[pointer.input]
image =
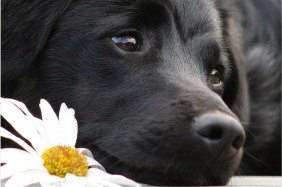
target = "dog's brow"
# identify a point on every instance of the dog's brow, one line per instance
(136, 13)
(185, 11)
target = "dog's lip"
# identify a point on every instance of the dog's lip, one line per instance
(178, 175)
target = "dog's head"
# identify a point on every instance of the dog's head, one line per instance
(158, 86)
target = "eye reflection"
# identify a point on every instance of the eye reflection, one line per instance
(215, 77)
(126, 43)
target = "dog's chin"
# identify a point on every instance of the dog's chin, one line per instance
(179, 175)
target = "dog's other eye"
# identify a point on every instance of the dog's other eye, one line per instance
(215, 77)
(126, 43)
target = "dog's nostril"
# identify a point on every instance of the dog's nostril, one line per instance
(215, 134)
(238, 142)
(211, 132)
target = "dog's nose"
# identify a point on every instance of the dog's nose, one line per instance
(221, 133)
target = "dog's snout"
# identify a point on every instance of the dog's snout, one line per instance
(221, 133)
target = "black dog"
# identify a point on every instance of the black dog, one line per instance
(165, 91)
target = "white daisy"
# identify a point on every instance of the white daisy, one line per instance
(53, 159)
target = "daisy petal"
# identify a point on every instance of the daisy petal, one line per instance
(36, 122)
(13, 154)
(43, 133)
(85, 151)
(99, 175)
(14, 164)
(104, 183)
(63, 124)
(68, 125)
(17, 161)
(51, 123)
(91, 161)
(20, 105)
(94, 164)
(13, 168)
(74, 181)
(21, 123)
(76, 184)
(27, 178)
(6, 134)
(51, 179)
(74, 132)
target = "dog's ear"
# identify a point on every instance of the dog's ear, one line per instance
(26, 26)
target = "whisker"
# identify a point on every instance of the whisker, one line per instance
(250, 132)
(248, 154)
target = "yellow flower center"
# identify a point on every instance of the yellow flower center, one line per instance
(60, 160)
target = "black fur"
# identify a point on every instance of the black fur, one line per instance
(135, 110)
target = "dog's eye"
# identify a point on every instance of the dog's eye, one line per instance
(126, 43)
(215, 77)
